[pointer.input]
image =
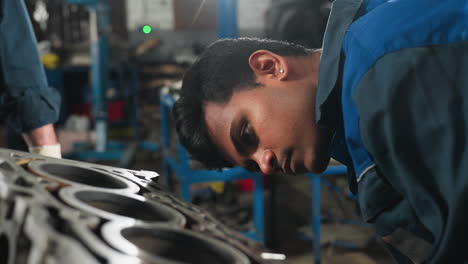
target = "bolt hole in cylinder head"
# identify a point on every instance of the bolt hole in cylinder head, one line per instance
(162, 244)
(112, 206)
(75, 175)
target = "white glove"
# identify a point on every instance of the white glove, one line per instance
(53, 151)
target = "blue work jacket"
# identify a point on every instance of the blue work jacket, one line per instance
(26, 100)
(393, 86)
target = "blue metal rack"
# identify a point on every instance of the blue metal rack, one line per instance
(179, 164)
(316, 207)
(317, 182)
(103, 150)
(227, 18)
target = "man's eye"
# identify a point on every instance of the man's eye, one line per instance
(247, 135)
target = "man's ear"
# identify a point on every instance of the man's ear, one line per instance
(266, 64)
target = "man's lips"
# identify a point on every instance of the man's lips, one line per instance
(293, 167)
(299, 168)
(287, 163)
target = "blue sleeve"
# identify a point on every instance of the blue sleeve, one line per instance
(26, 100)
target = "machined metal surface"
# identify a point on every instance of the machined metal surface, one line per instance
(123, 207)
(65, 211)
(162, 244)
(76, 175)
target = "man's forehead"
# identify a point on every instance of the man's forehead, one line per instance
(217, 116)
(218, 120)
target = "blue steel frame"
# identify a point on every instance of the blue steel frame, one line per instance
(180, 165)
(104, 150)
(227, 18)
(99, 13)
(316, 207)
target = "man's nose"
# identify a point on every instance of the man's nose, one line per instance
(267, 161)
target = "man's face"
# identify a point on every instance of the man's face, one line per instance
(270, 128)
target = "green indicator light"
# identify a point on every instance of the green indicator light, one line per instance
(146, 29)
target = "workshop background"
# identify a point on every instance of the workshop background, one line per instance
(118, 66)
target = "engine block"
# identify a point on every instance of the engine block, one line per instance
(64, 211)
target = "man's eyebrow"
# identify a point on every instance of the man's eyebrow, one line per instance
(233, 133)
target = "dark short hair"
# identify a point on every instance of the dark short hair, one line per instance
(219, 71)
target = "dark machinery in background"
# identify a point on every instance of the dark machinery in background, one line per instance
(298, 21)
(66, 25)
(97, 74)
(64, 211)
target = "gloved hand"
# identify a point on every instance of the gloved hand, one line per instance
(53, 151)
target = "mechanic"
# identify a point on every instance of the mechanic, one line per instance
(384, 96)
(27, 104)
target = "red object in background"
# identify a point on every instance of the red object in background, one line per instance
(247, 185)
(115, 110)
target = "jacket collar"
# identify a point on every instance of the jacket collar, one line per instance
(342, 14)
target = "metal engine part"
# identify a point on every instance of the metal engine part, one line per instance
(65, 211)
(157, 244)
